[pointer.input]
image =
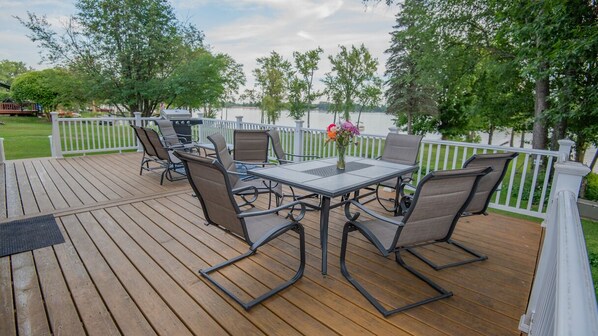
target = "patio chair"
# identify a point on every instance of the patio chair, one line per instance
(262, 186)
(211, 183)
(171, 138)
(284, 158)
(149, 154)
(281, 156)
(439, 200)
(499, 162)
(251, 146)
(156, 152)
(401, 149)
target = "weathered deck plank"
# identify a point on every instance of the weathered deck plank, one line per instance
(132, 251)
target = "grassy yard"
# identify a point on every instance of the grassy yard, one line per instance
(590, 230)
(25, 137)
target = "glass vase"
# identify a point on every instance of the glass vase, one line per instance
(340, 164)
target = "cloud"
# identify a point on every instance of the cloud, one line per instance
(244, 29)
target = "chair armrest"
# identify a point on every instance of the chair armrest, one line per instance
(241, 189)
(304, 156)
(277, 209)
(369, 212)
(245, 163)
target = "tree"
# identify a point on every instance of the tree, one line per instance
(127, 49)
(9, 70)
(50, 88)
(352, 72)
(272, 77)
(301, 93)
(408, 96)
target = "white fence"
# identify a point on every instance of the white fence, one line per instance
(525, 188)
(563, 301)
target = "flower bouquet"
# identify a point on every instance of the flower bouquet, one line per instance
(342, 134)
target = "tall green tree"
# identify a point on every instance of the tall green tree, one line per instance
(301, 91)
(127, 49)
(353, 70)
(409, 96)
(272, 77)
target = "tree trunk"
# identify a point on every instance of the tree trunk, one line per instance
(512, 138)
(558, 133)
(522, 141)
(593, 163)
(409, 123)
(581, 145)
(541, 104)
(490, 134)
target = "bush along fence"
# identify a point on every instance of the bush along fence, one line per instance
(524, 190)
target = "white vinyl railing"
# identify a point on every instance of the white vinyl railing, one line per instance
(563, 301)
(524, 190)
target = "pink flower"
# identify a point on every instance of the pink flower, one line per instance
(330, 126)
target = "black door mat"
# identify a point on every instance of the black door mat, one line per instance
(29, 234)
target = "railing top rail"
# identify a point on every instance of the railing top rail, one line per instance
(492, 147)
(576, 310)
(96, 119)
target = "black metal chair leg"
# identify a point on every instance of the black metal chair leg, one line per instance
(248, 305)
(478, 257)
(387, 312)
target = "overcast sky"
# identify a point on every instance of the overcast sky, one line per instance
(244, 29)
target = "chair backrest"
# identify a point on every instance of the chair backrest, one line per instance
(211, 184)
(223, 155)
(168, 133)
(154, 139)
(489, 183)
(142, 137)
(251, 145)
(277, 144)
(439, 200)
(401, 148)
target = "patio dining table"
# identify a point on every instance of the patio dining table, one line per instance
(323, 178)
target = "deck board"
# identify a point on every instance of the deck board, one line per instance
(133, 248)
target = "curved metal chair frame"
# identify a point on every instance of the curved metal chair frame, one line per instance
(424, 223)
(499, 162)
(211, 183)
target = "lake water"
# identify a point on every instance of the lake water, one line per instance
(376, 123)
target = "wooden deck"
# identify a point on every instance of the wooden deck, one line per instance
(133, 248)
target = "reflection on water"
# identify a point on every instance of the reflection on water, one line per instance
(376, 123)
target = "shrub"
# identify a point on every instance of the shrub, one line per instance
(592, 187)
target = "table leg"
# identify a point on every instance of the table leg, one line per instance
(324, 215)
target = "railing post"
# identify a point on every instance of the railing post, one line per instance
(2, 156)
(56, 149)
(239, 124)
(138, 124)
(565, 146)
(543, 302)
(393, 129)
(199, 127)
(52, 154)
(568, 176)
(298, 139)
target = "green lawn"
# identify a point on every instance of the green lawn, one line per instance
(25, 137)
(590, 230)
